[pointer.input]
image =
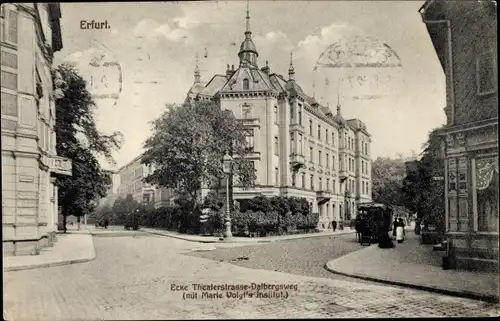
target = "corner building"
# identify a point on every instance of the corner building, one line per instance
(30, 34)
(464, 36)
(299, 148)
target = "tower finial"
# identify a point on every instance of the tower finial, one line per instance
(338, 103)
(291, 70)
(248, 16)
(196, 71)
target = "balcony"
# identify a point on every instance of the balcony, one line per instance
(297, 127)
(251, 122)
(343, 174)
(61, 166)
(323, 196)
(297, 161)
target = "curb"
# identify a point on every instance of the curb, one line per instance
(52, 264)
(46, 265)
(253, 242)
(462, 294)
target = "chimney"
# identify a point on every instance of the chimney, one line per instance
(229, 72)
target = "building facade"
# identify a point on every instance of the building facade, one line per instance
(131, 182)
(298, 146)
(30, 34)
(464, 34)
(111, 190)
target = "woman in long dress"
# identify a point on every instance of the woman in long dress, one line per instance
(400, 231)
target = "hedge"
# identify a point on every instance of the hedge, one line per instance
(259, 216)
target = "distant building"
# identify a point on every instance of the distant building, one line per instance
(464, 35)
(298, 146)
(131, 182)
(30, 34)
(112, 189)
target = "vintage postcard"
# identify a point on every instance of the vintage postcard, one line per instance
(249, 160)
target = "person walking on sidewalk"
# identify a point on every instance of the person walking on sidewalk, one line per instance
(334, 225)
(400, 231)
(394, 227)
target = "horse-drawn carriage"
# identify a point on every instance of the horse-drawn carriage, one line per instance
(373, 223)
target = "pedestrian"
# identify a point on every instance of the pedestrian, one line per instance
(334, 225)
(394, 227)
(106, 222)
(400, 231)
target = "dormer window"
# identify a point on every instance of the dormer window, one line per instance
(246, 84)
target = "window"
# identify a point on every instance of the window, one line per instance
(9, 28)
(333, 162)
(255, 171)
(300, 145)
(349, 142)
(276, 146)
(300, 114)
(276, 176)
(246, 84)
(311, 151)
(327, 160)
(366, 148)
(486, 77)
(333, 186)
(246, 112)
(293, 147)
(249, 137)
(319, 158)
(320, 184)
(486, 172)
(303, 180)
(9, 59)
(327, 183)
(9, 104)
(326, 135)
(319, 131)
(276, 114)
(292, 112)
(294, 179)
(312, 182)
(333, 139)
(9, 80)
(310, 127)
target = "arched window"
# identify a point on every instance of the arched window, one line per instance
(246, 84)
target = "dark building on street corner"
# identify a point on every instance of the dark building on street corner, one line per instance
(464, 35)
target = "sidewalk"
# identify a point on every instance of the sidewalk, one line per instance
(73, 247)
(251, 240)
(418, 266)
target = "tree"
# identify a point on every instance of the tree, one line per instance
(187, 147)
(421, 193)
(387, 180)
(78, 139)
(124, 207)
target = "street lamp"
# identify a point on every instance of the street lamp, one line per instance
(227, 162)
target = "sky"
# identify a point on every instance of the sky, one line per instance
(151, 47)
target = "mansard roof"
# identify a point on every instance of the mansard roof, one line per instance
(214, 85)
(259, 81)
(196, 88)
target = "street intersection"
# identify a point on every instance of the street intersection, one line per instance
(132, 278)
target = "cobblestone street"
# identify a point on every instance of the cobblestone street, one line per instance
(305, 257)
(132, 276)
